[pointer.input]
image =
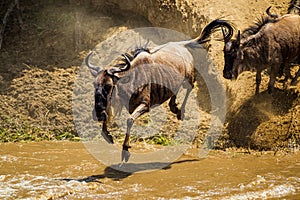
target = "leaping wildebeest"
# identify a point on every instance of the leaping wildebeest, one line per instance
(145, 78)
(270, 44)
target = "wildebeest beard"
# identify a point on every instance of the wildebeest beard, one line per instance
(103, 91)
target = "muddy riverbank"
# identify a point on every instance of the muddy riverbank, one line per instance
(41, 60)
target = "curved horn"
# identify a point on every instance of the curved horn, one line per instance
(224, 35)
(126, 67)
(212, 26)
(271, 14)
(93, 69)
(127, 59)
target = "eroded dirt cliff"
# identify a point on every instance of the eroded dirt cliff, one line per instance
(39, 63)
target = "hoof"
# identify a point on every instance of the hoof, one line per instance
(108, 138)
(125, 154)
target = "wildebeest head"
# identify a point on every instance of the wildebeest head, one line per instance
(231, 50)
(105, 81)
(231, 46)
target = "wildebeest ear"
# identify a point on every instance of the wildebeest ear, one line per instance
(238, 38)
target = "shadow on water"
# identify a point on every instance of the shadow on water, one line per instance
(242, 123)
(127, 170)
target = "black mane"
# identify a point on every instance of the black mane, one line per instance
(255, 28)
(121, 61)
(139, 50)
(135, 52)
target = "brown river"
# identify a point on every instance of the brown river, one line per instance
(66, 170)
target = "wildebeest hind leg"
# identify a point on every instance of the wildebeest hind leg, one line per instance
(140, 110)
(287, 75)
(180, 114)
(173, 106)
(273, 74)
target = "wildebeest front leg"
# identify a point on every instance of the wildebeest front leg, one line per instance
(105, 133)
(258, 81)
(141, 109)
(273, 74)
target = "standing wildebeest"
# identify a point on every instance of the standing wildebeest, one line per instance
(145, 78)
(294, 7)
(270, 44)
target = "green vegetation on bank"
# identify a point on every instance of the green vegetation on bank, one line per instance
(13, 130)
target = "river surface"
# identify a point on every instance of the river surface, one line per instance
(66, 170)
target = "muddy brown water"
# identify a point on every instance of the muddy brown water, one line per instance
(54, 170)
